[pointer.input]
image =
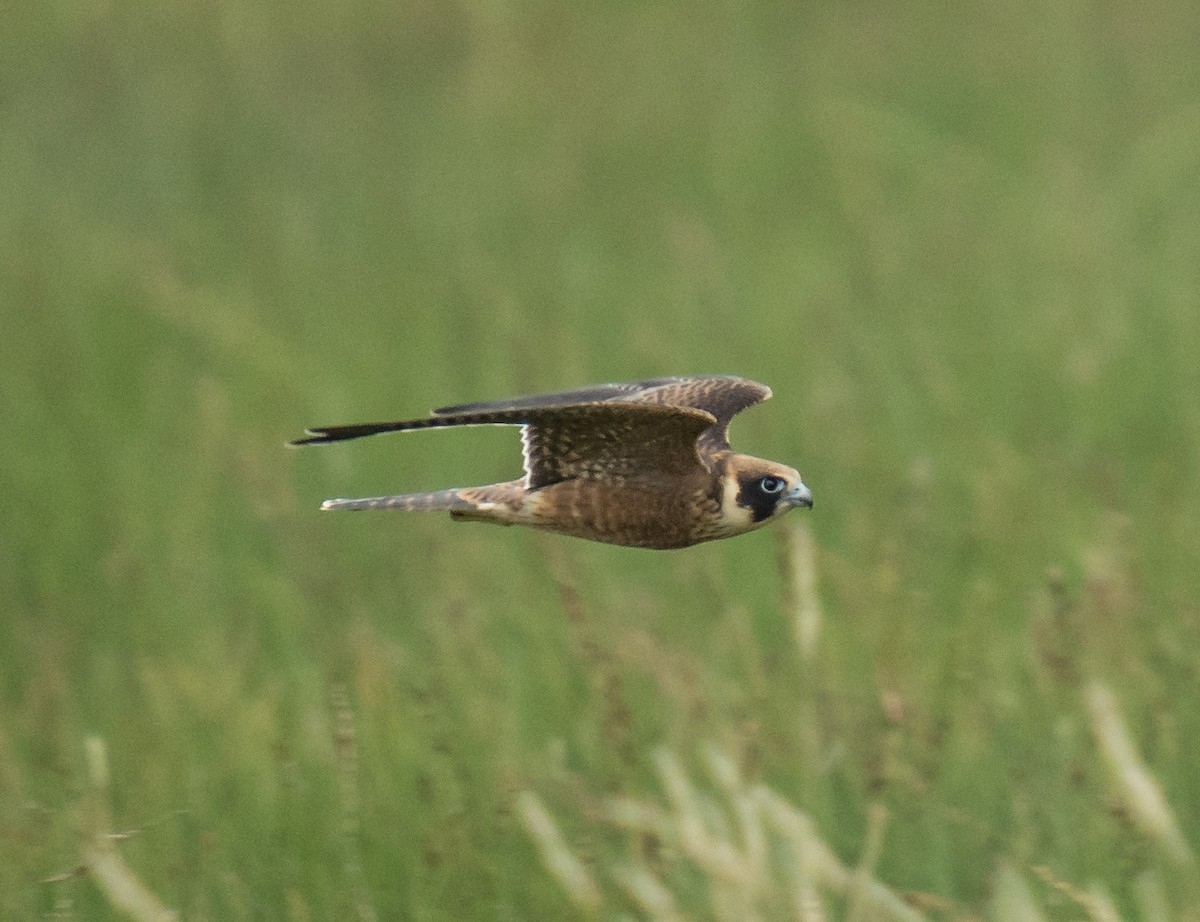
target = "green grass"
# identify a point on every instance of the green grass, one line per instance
(961, 246)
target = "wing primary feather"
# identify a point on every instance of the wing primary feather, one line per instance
(518, 416)
(326, 434)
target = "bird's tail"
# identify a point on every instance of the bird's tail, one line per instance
(437, 501)
(498, 502)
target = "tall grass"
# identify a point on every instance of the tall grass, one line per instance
(959, 244)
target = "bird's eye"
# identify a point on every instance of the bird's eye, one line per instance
(772, 484)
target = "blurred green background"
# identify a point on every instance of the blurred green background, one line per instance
(960, 243)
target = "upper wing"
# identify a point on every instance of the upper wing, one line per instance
(723, 396)
(606, 430)
(610, 441)
(597, 440)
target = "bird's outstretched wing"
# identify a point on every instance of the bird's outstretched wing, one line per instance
(606, 431)
(724, 396)
(600, 441)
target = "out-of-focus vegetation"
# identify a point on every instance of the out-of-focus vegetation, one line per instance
(960, 244)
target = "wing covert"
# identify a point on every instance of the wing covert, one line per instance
(610, 441)
(724, 396)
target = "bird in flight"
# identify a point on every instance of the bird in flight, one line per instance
(641, 464)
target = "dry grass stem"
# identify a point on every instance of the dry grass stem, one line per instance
(857, 910)
(1151, 901)
(120, 886)
(346, 754)
(714, 854)
(759, 855)
(801, 572)
(558, 858)
(649, 893)
(1012, 900)
(1100, 906)
(1096, 902)
(1138, 789)
(796, 830)
(818, 864)
(754, 845)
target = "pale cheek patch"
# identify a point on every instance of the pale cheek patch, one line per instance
(734, 517)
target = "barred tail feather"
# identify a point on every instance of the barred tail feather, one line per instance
(437, 501)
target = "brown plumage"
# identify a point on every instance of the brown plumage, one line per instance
(642, 464)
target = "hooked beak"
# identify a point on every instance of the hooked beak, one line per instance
(799, 495)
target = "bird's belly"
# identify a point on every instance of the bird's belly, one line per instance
(631, 514)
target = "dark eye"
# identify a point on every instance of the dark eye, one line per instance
(772, 484)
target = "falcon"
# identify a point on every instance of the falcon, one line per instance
(640, 464)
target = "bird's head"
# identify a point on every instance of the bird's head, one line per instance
(754, 491)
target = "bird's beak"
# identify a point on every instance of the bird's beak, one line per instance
(799, 495)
